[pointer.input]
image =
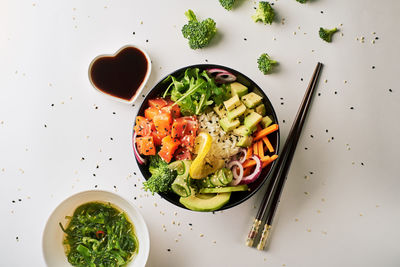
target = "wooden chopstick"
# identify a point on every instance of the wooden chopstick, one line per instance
(271, 199)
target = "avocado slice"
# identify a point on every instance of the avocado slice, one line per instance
(228, 125)
(232, 102)
(239, 111)
(238, 89)
(245, 141)
(260, 109)
(252, 120)
(266, 121)
(251, 100)
(205, 202)
(242, 131)
(220, 110)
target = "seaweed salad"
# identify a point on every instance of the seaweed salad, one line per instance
(99, 235)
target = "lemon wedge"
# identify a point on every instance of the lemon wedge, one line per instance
(202, 146)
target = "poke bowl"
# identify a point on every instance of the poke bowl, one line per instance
(206, 138)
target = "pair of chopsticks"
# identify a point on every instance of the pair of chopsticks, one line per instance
(275, 187)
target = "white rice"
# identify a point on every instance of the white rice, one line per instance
(223, 144)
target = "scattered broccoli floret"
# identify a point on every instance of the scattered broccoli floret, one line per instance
(199, 33)
(302, 1)
(326, 34)
(264, 13)
(161, 176)
(265, 63)
(227, 4)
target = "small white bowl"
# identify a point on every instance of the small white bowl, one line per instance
(53, 248)
(142, 85)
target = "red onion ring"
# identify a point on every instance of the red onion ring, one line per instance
(256, 173)
(242, 159)
(225, 77)
(137, 155)
(215, 70)
(237, 177)
(221, 76)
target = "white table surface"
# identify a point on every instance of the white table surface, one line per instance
(345, 213)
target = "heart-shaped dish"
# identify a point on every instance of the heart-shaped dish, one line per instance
(121, 76)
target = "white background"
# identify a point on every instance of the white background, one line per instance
(344, 214)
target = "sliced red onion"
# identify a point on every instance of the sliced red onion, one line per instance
(137, 155)
(256, 173)
(215, 70)
(243, 157)
(225, 77)
(236, 177)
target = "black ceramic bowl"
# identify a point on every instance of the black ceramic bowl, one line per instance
(236, 197)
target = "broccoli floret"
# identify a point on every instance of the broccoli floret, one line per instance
(265, 63)
(326, 34)
(264, 13)
(302, 1)
(161, 176)
(199, 33)
(227, 4)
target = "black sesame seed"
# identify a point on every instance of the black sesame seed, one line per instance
(169, 249)
(283, 121)
(110, 159)
(319, 94)
(133, 33)
(52, 105)
(373, 67)
(147, 41)
(142, 95)
(45, 126)
(95, 186)
(13, 201)
(206, 60)
(332, 138)
(134, 173)
(82, 158)
(190, 224)
(114, 113)
(377, 38)
(282, 103)
(134, 198)
(390, 90)
(111, 138)
(362, 163)
(312, 136)
(19, 199)
(96, 107)
(134, 185)
(335, 92)
(326, 130)
(301, 79)
(115, 186)
(351, 107)
(245, 39)
(311, 172)
(94, 174)
(322, 12)
(306, 148)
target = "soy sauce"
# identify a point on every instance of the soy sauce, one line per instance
(120, 75)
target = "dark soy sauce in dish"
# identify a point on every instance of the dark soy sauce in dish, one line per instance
(120, 75)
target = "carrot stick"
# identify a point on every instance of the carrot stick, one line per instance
(249, 152)
(255, 149)
(247, 171)
(268, 144)
(266, 132)
(271, 159)
(260, 149)
(265, 160)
